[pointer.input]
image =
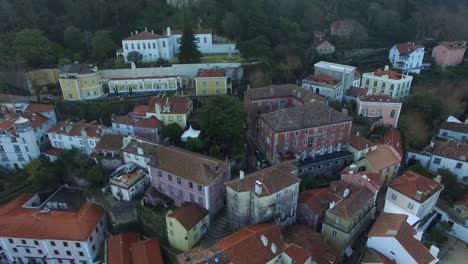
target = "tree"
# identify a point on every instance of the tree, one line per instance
(134, 56)
(256, 48)
(222, 118)
(64, 61)
(172, 131)
(73, 38)
(195, 144)
(188, 50)
(40, 174)
(31, 46)
(102, 45)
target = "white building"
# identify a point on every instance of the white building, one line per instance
(128, 181)
(21, 135)
(407, 57)
(413, 195)
(123, 125)
(76, 135)
(61, 228)
(138, 151)
(344, 73)
(454, 129)
(324, 85)
(387, 82)
(155, 46)
(393, 237)
(456, 217)
(145, 84)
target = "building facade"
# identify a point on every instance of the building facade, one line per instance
(324, 47)
(268, 195)
(324, 85)
(341, 72)
(76, 135)
(108, 151)
(387, 82)
(174, 109)
(186, 225)
(80, 82)
(145, 84)
(212, 82)
(53, 229)
(23, 132)
(128, 182)
(384, 160)
(449, 53)
(414, 195)
(407, 57)
(379, 106)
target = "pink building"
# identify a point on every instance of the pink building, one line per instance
(383, 107)
(449, 53)
(190, 177)
(147, 128)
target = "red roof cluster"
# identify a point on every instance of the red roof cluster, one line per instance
(211, 73)
(415, 186)
(177, 104)
(407, 48)
(126, 249)
(394, 75)
(356, 92)
(150, 122)
(189, 214)
(323, 78)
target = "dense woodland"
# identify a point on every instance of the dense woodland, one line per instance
(42, 33)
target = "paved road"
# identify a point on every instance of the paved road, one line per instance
(454, 251)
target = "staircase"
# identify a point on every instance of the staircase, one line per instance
(218, 230)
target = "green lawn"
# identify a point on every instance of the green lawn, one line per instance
(217, 58)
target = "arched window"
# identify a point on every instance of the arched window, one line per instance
(164, 44)
(154, 45)
(144, 45)
(149, 45)
(138, 45)
(133, 46)
(392, 114)
(126, 46)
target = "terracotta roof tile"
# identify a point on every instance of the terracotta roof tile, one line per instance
(360, 142)
(356, 92)
(118, 248)
(313, 242)
(273, 179)
(298, 254)
(39, 108)
(391, 74)
(451, 149)
(16, 221)
(309, 115)
(143, 77)
(383, 157)
(407, 48)
(463, 201)
(36, 119)
(372, 256)
(146, 252)
(126, 120)
(350, 205)
(453, 45)
(110, 142)
(139, 110)
(144, 36)
(454, 126)
(150, 122)
(189, 214)
(323, 78)
(395, 225)
(74, 129)
(178, 104)
(317, 199)
(283, 91)
(392, 137)
(211, 73)
(410, 183)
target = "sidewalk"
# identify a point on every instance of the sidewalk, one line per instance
(454, 251)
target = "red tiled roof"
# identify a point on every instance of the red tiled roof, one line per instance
(39, 108)
(140, 110)
(395, 225)
(283, 91)
(410, 183)
(297, 253)
(74, 129)
(150, 122)
(273, 179)
(36, 119)
(118, 248)
(373, 256)
(349, 207)
(6, 124)
(16, 221)
(392, 137)
(451, 149)
(211, 73)
(323, 78)
(246, 246)
(379, 98)
(313, 242)
(390, 73)
(407, 48)
(144, 36)
(110, 142)
(126, 120)
(463, 201)
(189, 214)
(360, 142)
(146, 252)
(356, 92)
(452, 45)
(383, 157)
(178, 104)
(317, 199)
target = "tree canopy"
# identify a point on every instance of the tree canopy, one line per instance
(188, 50)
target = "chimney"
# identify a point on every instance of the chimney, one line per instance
(299, 94)
(332, 205)
(438, 178)
(357, 133)
(241, 174)
(136, 32)
(386, 68)
(131, 33)
(258, 187)
(346, 193)
(352, 168)
(168, 31)
(434, 251)
(418, 195)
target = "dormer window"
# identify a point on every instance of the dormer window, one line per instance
(166, 109)
(264, 240)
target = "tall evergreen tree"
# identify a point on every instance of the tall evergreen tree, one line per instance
(188, 50)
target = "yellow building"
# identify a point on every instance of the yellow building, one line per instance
(385, 160)
(80, 82)
(145, 84)
(39, 78)
(186, 225)
(211, 82)
(175, 109)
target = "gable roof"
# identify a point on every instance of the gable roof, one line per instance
(323, 78)
(110, 142)
(126, 120)
(351, 205)
(298, 254)
(39, 108)
(309, 115)
(451, 149)
(383, 157)
(77, 68)
(118, 248)
(392, 137)
(356, 92)
(178, 104)
(391, 74)
(322, 42)
(189, 214)
(408, 48)
(395, 225)
(373, 256)
(144, 35)
(410, 183)
(454, 44)
(16, 221)
(73, 129)
(273, 179)
(283, 91)
(360, 142)
(455, 126)
(211, 73)
(150, 122)
(317, 199)
(146, 252)
(36, 119)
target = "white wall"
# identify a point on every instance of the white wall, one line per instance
(123, 129)
(413, 62)
(391, 248)
(458, 230)
(450, 164)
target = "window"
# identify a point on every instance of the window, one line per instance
(65, 244)
(52, 243)
(159, 173)
(169, 177)
(200, 201)
(10, 240)
(172, 233)
(334, 233)
(39, 251)
(56, 252)
(199, 188)
(36, 242)
(437, 160)
(78, 245)
(68, 253)
(138, 45)
(393, 253)
(15, 250)
(459, 165)
(410, 206)
(179, 181)
(394, 196)
(181, 193)
(94, 247)
(81, 253)
(23, 242)
(392, 114)
(179, 118)
(192, 197)
(27, 250)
